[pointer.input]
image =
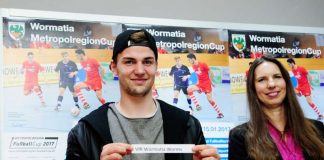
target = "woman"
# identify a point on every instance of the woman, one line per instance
(277, 128)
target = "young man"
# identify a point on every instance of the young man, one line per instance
(180, 75)
(31, 68)
(68, 71)
(204, 83)
(303, 84)
(109, 132)
(94, 76)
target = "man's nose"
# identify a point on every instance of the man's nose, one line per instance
(139, 68)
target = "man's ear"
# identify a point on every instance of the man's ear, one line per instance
(113, 67)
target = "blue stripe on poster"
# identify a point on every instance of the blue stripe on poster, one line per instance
(217, 140)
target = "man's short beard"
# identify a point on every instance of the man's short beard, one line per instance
(133, 92)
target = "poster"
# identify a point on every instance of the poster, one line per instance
(307, 49)
(33, 48)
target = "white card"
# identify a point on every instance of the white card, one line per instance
(162, 148)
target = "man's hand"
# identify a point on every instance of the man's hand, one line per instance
(115, 151)
(205, 152)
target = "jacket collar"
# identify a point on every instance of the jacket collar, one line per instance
(174, 126)
(98, 121)
(174, 123)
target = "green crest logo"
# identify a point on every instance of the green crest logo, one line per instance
(16, 30)
(239, 42)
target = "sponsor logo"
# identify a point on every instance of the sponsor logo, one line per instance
(16, 30)
(239, 42)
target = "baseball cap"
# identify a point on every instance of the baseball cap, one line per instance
(123, 41)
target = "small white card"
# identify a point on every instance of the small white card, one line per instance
(162, 148)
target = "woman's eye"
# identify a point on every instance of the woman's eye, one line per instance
(260, 80)
(278, 76)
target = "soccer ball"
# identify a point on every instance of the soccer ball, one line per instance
(75, 111)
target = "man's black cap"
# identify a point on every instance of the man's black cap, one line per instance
(123, 41)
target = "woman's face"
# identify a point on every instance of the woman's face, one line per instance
(270, 85)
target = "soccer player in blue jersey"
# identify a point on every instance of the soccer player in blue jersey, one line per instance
(68, 71)
(180, 75)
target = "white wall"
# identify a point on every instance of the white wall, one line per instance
(308, 13)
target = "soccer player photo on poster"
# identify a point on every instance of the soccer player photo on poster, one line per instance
(42, 59)
(301, 53)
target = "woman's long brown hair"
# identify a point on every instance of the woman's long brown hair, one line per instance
(259, 142)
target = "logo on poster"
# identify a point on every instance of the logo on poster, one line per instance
(239, 42)
(16, 30)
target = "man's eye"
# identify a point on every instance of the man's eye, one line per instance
(128, 62)
(148, 62)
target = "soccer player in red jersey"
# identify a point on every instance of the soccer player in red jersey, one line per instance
(304, 86)
(204, 83)
(94, 74)
(31, 68)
